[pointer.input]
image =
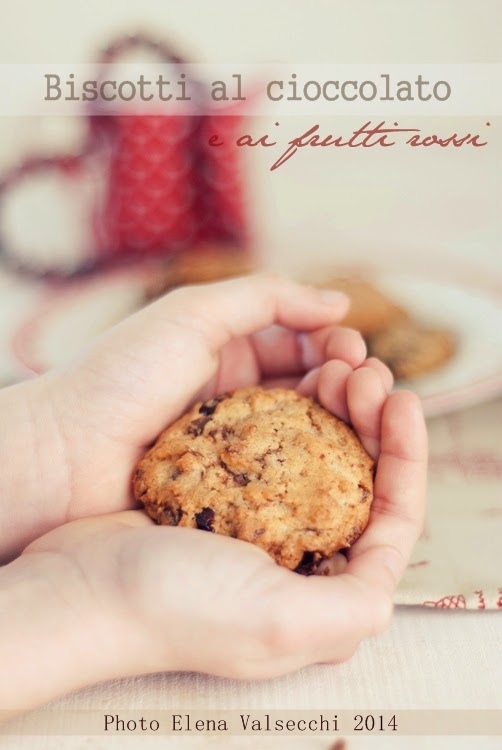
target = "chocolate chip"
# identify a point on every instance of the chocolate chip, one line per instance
(197, 426)
(205, 519)
(208, 407)
(309, 563)
(169, 516)
(241, 479)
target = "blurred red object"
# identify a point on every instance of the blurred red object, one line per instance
(168, 189)
(220, 184)
(150, 199)
(165, 187)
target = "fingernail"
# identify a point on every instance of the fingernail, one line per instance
(331, 296)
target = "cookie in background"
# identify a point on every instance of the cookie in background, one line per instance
(409, 347)
(199, 265)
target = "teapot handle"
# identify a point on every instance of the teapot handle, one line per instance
(97, 128)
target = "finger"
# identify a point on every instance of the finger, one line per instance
(277, 352)
(237, 368)
(280, 351)
(135, 518)
(366, 396)
(291, 383)
(332, 388)
(332, 566)
(308, 385)
(242, 306)
(381, 554)
(336, 612)
(383, 371)
(92, 525)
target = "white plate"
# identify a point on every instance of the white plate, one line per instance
(71, 316)
(474, 315)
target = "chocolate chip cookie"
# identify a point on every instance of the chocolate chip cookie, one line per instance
(199, 266)
(370, 310)
(269, 467)
(410, 349)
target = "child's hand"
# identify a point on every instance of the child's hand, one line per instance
(129, 597)
(71, 438)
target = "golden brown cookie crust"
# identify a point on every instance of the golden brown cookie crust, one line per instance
(200, 266)
(370, 310)
(410, 349)
(269, 467)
